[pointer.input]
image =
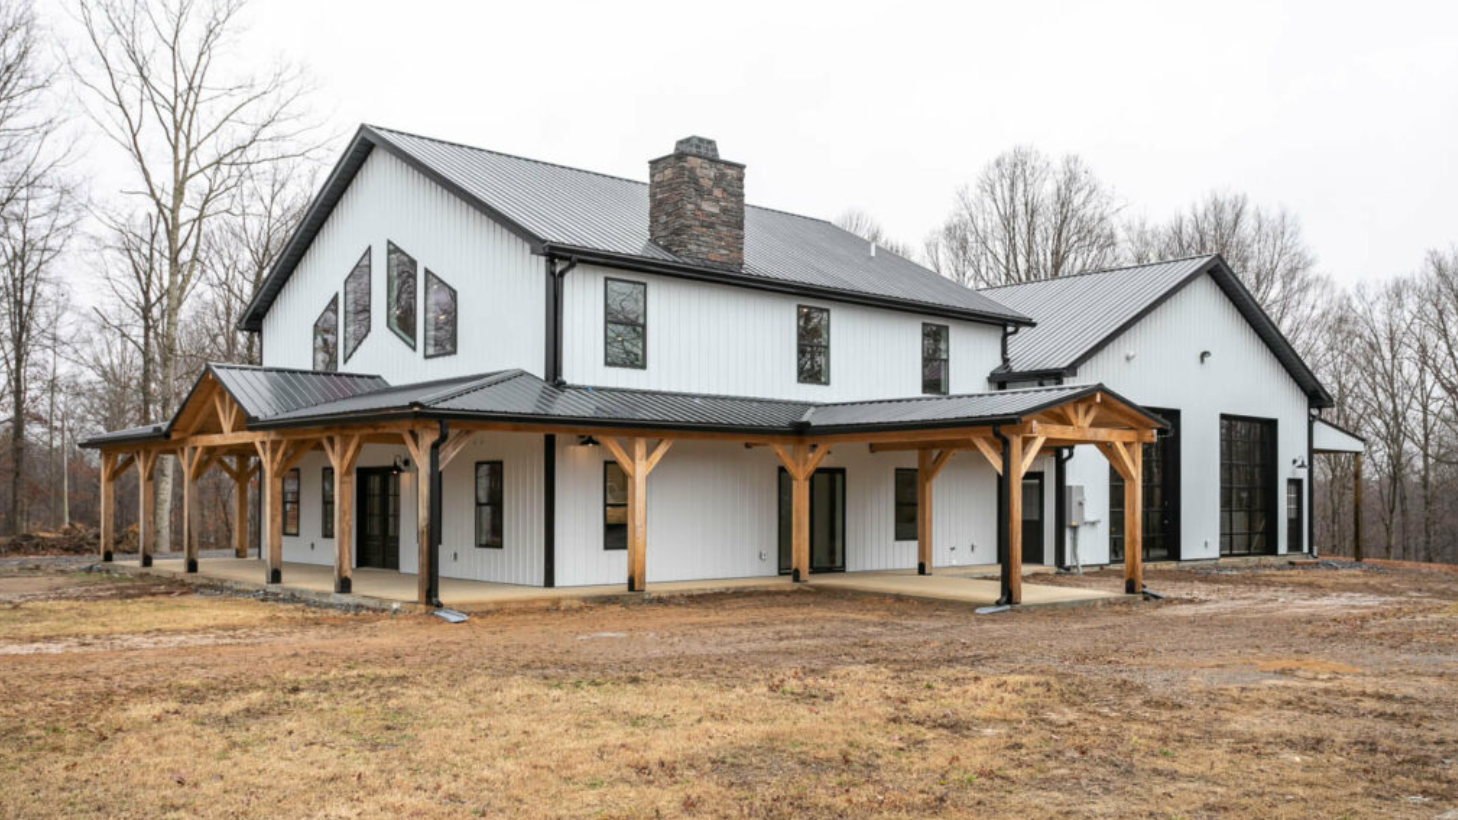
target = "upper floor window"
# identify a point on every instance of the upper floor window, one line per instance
(290, 506)
(488, 504)
(326, 503)
(625, 314)
(400, 293)
(357, 305)
(934, 376)
(326, 336)
(813, 345)
(440, 316)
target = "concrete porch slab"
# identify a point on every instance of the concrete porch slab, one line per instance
(386, 589)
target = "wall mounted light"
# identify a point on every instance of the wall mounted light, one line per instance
(399, 465)
(1298, 463)
(1204, 354)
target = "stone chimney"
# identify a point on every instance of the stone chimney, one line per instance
(696, 204)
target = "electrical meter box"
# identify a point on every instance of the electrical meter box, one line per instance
(1074, 499)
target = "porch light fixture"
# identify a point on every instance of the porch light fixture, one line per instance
(1298, 463)
(399, 465)
(586, 441)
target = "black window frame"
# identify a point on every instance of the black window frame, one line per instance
(608, 321)
(899, 503)
(360, 273)
(392, 317)
(496, 504)
(1261, 483)
(331, 308)
(610, 526)
(801, 345)
(432, 350)
(296, 477)
(326, 502)
(945, 359)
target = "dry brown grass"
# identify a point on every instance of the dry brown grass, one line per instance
(744, 706)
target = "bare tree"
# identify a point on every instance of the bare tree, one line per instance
(192, 132)
(1027, 217)
(867, 227)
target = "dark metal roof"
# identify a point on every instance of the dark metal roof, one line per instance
(266, 392)
(131, 435)
(603, 218)
(1078, 315)
(986, 408)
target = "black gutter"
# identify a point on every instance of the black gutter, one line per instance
(433, 537)
(1004, 549)
(733, 277)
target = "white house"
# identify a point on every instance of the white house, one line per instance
(590, 364)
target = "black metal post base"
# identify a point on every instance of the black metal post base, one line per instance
(1130, 588)
(275, 576)
(147, 560)
(795, 576)
(921, 568)
(192, 565)
(631, 586)
(106, 557)
(343, 585)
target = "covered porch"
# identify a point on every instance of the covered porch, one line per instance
(258, 422)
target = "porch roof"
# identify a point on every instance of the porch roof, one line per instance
(273, 399)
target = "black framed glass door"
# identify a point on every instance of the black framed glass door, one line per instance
(827, 520)
(1247, 486)
(1033, 519)
(1161, 519)
(1295, 521)
(378, 542)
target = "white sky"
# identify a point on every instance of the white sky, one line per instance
(1346, 114)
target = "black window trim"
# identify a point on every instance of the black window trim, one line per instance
(1273, 499)
(390, 295)
(284, 502)
(609, 464)
(332, 304)
(945, 360)
(799, 308)
(606, 282)
(368, 259)
(326, 502)
(455, 326)
(500, 503)
(896, 505)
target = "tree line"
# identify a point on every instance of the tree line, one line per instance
(1386, 349)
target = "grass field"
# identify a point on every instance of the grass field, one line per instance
(1311, 693)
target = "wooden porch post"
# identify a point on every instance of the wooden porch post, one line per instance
(1013, 560)
(146, 506)
(1134, 521)
(243, 474)
(112, 465)
(418, 441)
(195, 462)
(929, 465)
(1357, 506)
(637, 463)
(343, 452)
(800, 462)
(271, 456)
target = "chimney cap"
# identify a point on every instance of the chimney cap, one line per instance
(697, 146)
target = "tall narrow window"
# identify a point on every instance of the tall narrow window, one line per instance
(326, 503)
(400, 293)
(813, 345)
(625, 315)
(326, 336)
(934, 375)
(614, 507)
(1247, 486)
(440, 316)
(488, 504)
(291, 502)
(357, 305)
(906, 508)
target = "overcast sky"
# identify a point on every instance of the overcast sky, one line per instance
(1346, 115)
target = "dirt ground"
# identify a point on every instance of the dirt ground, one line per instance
(1292, 693)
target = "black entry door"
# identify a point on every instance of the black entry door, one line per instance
(378, 542)
(1160, 464)
(1295, 531)
(1033, 518)
(827, 520)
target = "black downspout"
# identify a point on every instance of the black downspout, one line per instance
(1060, 504)
(432, 583)
(1310, 485)
(549, 510)
(553, 369)
(1004, 554)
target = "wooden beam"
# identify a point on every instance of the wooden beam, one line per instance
(800, 516)
(989, 452)
(938, 462)
(1086, 434)
(227, 411)
(454, 445)
(1134, 521)
(1013, 565)
(194, 461)
(638, 516)
(925, 473)
(419, 442)
(619, 454)
(107, 513)
(658, 453)
(1118, 456)
(1031, 446)
(271, 455)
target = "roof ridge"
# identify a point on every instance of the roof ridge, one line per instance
(471, 385)
(1045, 388)
(573, 168)
(684, 393)
(273, 369)
(1100, 271)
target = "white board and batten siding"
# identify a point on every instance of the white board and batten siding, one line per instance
(500, 285)
(725, 340)
(1241, 377)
